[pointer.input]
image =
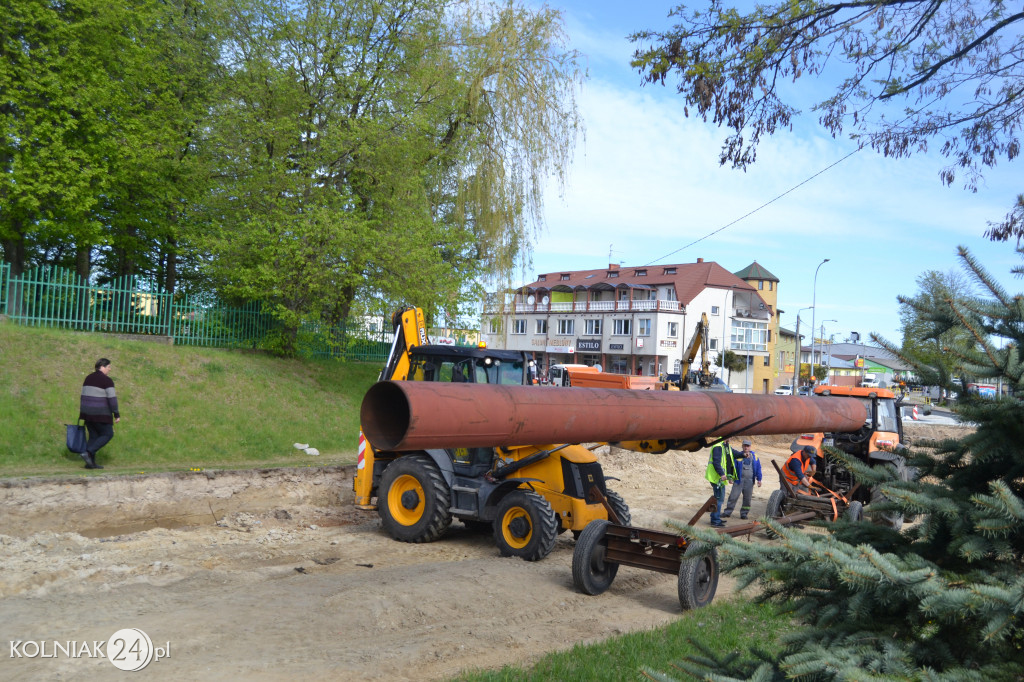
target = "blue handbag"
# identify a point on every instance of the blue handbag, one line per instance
(76, 438)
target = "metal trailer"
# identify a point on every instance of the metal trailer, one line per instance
(603, 546)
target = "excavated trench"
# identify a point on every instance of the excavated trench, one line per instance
(105, 506)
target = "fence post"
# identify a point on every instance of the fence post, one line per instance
(5, 278)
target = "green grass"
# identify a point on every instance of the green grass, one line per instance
(181, 407)
(725, 626)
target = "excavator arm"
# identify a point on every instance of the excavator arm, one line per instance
(410, 331)
(698, 344)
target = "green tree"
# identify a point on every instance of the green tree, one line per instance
(939, 356)
(378, 152)
(102, 106)
(940, 599)
(905, 73)
(731, 362)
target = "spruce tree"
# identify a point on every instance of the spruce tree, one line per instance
(942, 599)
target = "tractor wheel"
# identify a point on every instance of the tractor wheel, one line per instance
(619, 506)
(525, 526)
(591, 574)
(414, 500)
(774, 510)
(855, 512)
(698, 578)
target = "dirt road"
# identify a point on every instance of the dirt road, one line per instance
(275, 576)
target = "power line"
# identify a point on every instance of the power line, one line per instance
(747, 215)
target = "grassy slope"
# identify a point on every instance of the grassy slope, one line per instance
(725, 626)
(181, 407)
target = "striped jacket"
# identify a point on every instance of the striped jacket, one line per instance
(99, 401)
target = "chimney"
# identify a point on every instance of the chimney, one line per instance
(613, 266)
(700, 260)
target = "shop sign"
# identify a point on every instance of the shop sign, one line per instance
(667, 343)
(616, 346)
(588, 345)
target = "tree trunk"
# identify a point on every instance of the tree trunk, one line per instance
(82, 267)
(14, 253)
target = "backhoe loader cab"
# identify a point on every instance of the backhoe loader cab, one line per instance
(470, 365)
(876, 443)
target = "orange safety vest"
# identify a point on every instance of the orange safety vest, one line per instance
(790, 476)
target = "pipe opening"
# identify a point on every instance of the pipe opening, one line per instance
(384, 415)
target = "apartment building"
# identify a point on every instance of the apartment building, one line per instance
(640, 320)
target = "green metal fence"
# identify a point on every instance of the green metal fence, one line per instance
(56, 297)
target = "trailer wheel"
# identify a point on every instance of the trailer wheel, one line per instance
(698, 578)
(414, 500)
(855, 512)
(525, 526)
(774, 510)
(591, 574)
(619, 506)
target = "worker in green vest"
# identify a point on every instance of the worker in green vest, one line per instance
(721, 470)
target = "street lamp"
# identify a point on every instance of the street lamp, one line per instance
(823, 337)
(796, 358)
(814, 298)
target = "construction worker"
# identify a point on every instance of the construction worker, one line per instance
(721, 469)
(800, 468)
(748, 469)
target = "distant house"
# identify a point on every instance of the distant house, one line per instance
(640, 319)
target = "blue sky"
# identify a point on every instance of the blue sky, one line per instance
(645, 182)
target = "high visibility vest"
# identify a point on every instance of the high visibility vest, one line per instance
(790, 475)
(725, 460)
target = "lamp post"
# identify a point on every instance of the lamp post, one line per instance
(812, 342)
(796, 358)
(814, 302)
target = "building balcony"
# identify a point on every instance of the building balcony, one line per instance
(591, 307)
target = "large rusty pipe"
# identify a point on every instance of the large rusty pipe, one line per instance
(416, 415)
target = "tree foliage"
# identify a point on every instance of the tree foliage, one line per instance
(905, 73)
(938, 356)
(315, 155)
(100, 104)
(942, 599)
(731, 362)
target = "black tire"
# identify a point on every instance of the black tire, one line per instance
(773, 510)
(855, 512)
(591, 574)
(525, 526)
(414, 500)
(619, 506)
(698, 578)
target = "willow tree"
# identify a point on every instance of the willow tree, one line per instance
(384, 151)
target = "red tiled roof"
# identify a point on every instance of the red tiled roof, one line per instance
(689, 279)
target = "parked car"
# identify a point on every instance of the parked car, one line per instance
(804, 390)
(784, 389)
